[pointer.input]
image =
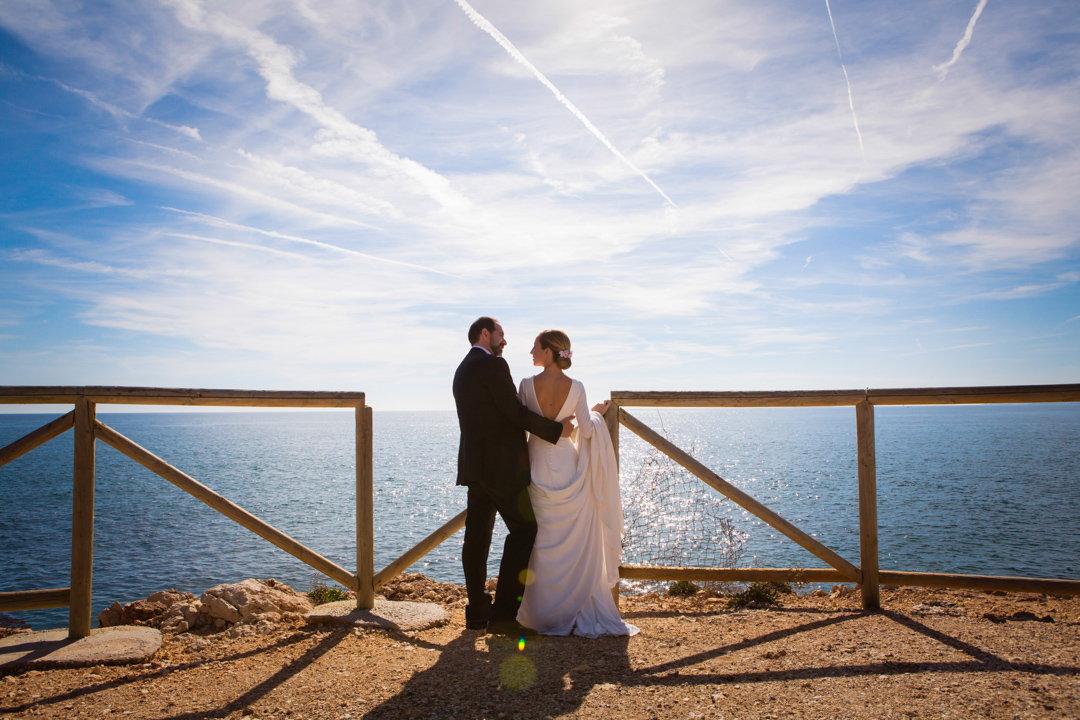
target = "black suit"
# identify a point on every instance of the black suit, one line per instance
(493, 462)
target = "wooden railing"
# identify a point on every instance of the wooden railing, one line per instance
(867, 574)
(88, 430)
(365, 581)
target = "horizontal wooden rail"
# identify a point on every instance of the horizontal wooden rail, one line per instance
(826, 398)
(38, 437)
(850, 571)
(976, 395)
(1044, 586)
(812, 398)
(421, 549)
(31, 395)
(706, 574)
(34, 599)
(225, 507)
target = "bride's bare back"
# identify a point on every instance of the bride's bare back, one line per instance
(551, 390)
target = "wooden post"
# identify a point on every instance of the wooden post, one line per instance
(868, 536)
(365, 510)
(82, 521)
(612, 420)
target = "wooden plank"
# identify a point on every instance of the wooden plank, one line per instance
(365, 510)
(223, 506)
(826, 398)
(421, 549)
(868, 528)
(1044, 586)
(975, 395)
(37, 438)
(706, 574)
(793, 398)
(733, 493)
(179, 396)
(82, 522)
(34, 599)
(612, 420)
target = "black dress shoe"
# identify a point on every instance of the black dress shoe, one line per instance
(510, 628)
(476, 618)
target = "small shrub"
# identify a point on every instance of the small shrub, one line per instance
(321, 593)
(682, 587)
(782, 588)
(757, 593)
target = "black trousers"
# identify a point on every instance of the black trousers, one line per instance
(516, 511)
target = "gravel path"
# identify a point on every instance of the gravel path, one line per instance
(927, 654)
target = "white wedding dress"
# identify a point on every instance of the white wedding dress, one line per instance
(575, 494)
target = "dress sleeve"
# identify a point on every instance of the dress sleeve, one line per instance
(582, 413)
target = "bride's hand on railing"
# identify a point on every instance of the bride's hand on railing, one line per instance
(602, 408)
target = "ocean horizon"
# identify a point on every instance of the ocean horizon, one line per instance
(979, 489)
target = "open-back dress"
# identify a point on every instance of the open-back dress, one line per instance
(575, 494)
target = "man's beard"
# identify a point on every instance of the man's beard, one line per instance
(496, 350)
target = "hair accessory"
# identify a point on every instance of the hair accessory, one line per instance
(566, 354)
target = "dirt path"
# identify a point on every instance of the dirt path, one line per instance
(927, 654)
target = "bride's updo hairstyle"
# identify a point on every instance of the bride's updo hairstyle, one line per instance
(559, 345)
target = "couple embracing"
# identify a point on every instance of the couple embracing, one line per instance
(555, 486)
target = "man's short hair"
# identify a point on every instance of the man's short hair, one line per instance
(481, 324)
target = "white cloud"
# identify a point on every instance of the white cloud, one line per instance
(352, 152)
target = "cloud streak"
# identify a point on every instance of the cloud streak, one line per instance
(120, 113)
(943, 69)
(342, 137)
(484, 24)
(850, 97)
(218, 222)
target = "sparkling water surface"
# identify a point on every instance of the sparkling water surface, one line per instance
(988, 489)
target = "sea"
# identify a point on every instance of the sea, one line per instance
(981, 489)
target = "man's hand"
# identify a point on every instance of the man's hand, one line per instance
(568, 426)
(602, 408)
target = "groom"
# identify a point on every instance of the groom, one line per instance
(493, 462)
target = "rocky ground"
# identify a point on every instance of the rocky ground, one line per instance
(926, 654)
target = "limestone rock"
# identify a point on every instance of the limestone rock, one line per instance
(252, 597)
(151, 612)
(222, 606)
(218, 608)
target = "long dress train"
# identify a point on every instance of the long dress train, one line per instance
(575, 494)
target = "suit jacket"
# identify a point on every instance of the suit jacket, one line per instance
(493, 453)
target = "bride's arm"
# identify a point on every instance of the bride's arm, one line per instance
(521, 397)
(583, 416)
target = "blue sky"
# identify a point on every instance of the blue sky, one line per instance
(318, 194)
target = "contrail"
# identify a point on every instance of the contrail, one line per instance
(943, 69)
(481, 22)
(118, 112)
(218, 222)
(850, 99)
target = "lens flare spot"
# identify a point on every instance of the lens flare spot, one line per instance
(527, 577)
(517, 672)
(521, 644)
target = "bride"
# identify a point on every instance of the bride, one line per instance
(575, 493)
